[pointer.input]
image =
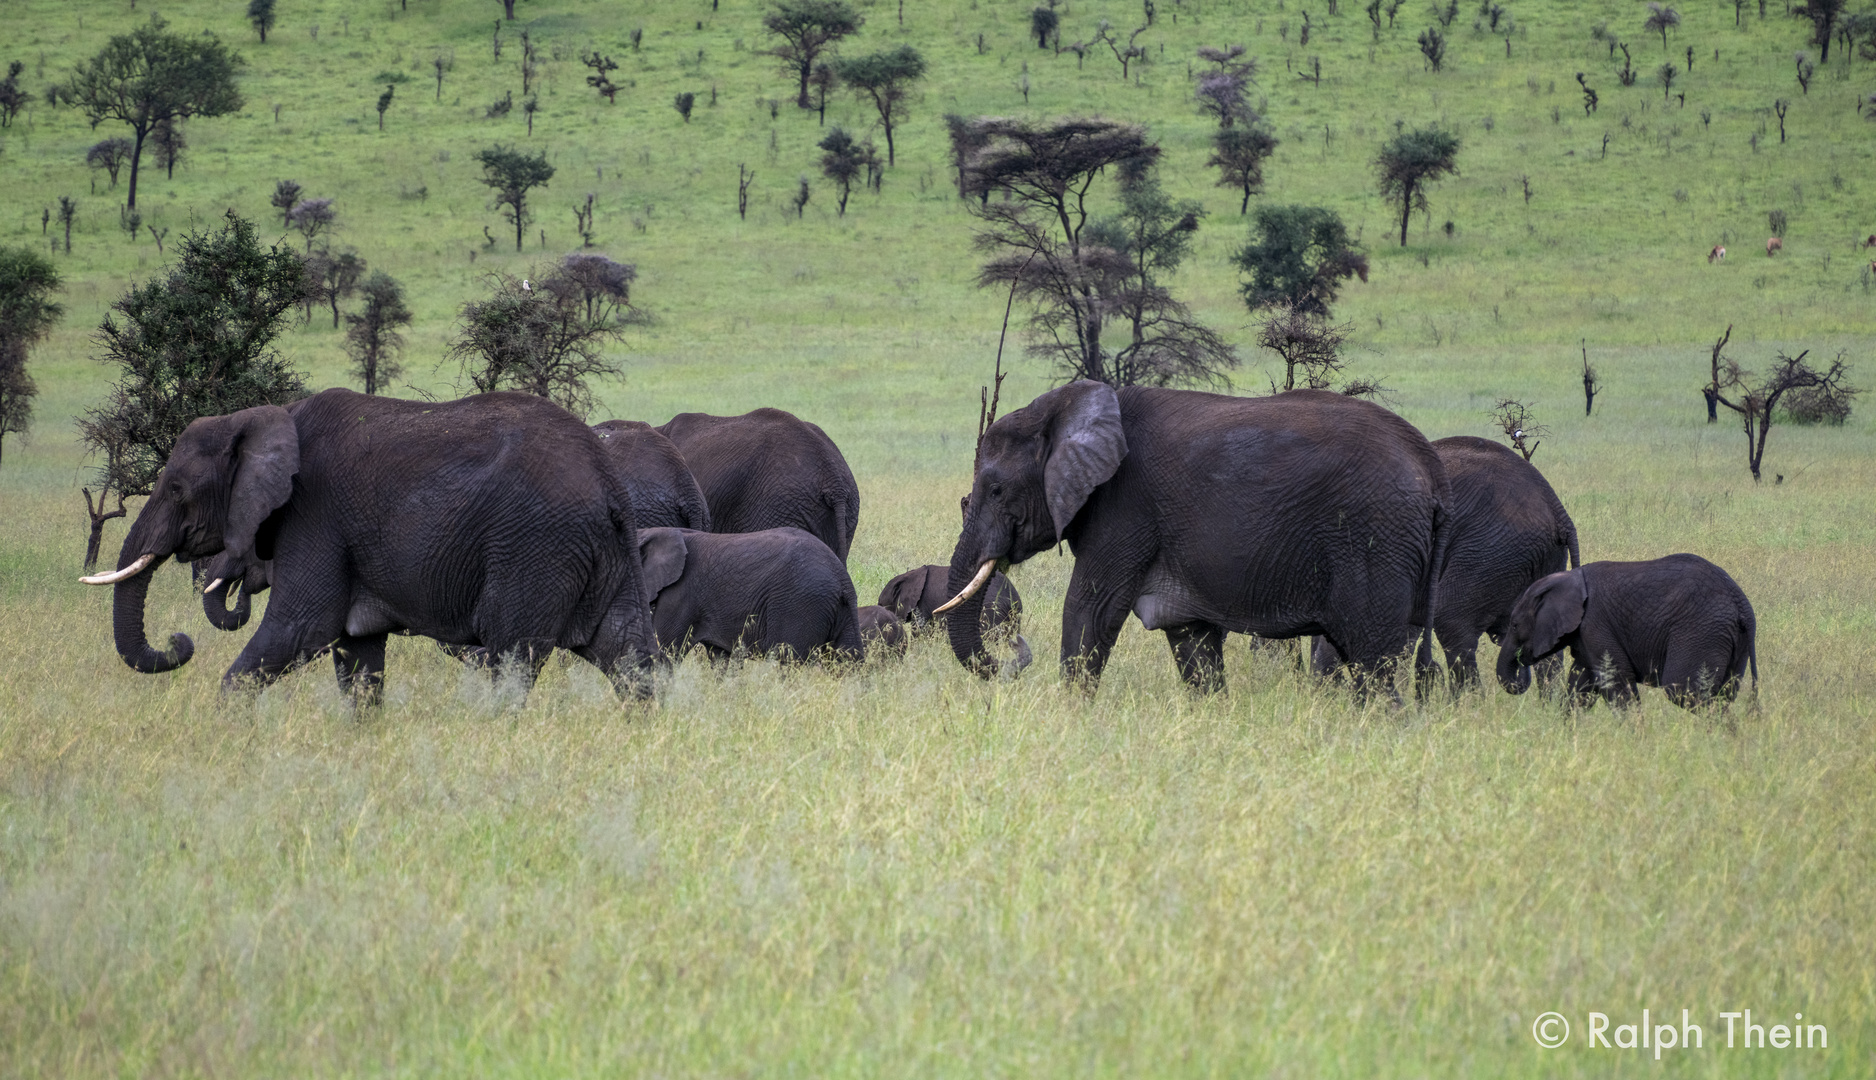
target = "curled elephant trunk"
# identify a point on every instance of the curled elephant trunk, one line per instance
(1513, 676)
(215, 604)
(127, 626)
(1024, 657)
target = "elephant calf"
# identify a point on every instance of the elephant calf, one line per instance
(1679, 623)
(916, 595)
(779, 592)
(881, 629)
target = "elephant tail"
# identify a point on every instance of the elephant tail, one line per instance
(1426, 590)
(840, 538)
(1576, 559)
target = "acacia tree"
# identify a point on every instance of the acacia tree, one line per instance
(334, 278)
(261, 15)
(1758, 403)
(844, 159)
(312, 217)
(196, 342)
(1823, 15)
(1409, 162)
(109, 155)
(1239, 153)
(549, 340)
(1660, 20)
(512, 174)
(1079, 274)
(887, 79)
(27, 314)
(371, 335)
(1298, 258)
(12, 98)
(807, 28)
(148, 76)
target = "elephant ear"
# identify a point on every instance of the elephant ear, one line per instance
(266, 450)
(1085, 447)
(663, 553)
(893, 597)
(1560, 608)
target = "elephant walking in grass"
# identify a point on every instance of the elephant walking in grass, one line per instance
(496, 520)
(769, 469)
(778, 592)
(1307, 512)
(1679, 623)
(1508, 528)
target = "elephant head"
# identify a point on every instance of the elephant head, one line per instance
(1548, 611)
(226, 476)
(1036, 468)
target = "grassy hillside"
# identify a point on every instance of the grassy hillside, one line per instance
(902, 870)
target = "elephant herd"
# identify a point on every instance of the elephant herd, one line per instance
(503, 527)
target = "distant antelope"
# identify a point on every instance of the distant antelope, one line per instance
(1774, 246)
(1870, 243)
(1718, 254)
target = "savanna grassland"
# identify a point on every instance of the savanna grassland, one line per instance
(901, 870)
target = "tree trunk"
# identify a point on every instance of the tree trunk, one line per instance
(890, 160)
(801, 99)
(520, 224)
(1713, 405)
(508, 7)
(1406, 211)
(136, 160)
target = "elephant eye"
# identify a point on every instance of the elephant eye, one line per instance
(996, 491)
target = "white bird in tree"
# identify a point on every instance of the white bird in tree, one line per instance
(525, 287)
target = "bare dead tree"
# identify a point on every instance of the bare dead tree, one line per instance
(1758, 400)
(1305, 341)
(1520, 426)
(1592, 383)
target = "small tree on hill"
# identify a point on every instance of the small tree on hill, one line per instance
(549, 340)
(1823, 15)
(1433, 47)
(12, 98)
(335, 278)
(371, 335)
(1298, 257)
(196, 342)
(807, 28)
(27, 314)
(885, 78)
(261, 15)
(1409, 162)
(843, 160)
(601, 78)
(512, 174)
(384, 106)
(167, 140)
(109, 155)
(1045, 26)
(148, 76)
(285, 197)
(1660, 20)
(312, 217)
(1304, 342)
(1239, 153)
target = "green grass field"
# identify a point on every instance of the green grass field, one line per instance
(903, 870)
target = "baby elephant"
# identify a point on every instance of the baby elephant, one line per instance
(916, 595)
(881, 629)
(778, 592)
(1679, 623)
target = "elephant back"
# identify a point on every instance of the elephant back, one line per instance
(664, 494)
(769, 469)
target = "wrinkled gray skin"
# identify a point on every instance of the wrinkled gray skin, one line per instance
(1303, 513)
(777, 592)
(768, 469)
(316, 500)
(1508, 529)
(880, 629)
(664, 493)
(1679, 623)
(915, 596)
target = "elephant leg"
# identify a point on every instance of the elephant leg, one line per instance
(1092, 616)
(286, 639)
(359, 664)
(1325, 660)
(1462, 658)
(1199, 649)
(522, 660)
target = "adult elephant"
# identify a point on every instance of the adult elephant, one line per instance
(769, 469)
(496, 520)
(1508, 529)
(1307, 512)
(777, 592)
(664, 493)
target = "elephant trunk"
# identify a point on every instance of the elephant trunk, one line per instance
(1513, 676)
(127, 603)
(215, 605)
(962, 622)
(1024, 657)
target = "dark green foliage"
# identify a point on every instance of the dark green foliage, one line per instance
(844, 159)
(285, 197)
(331, 278)
(384, 103)
(1239, 153)
(148, 76)
(261, 15)
(887, 79)
(1410, 161)
(1433, 47)
(683, 103)
(371, 335)
(27, 314)
(549, 339)
(197, 342)
(1823, 16)
(1660, 20)
(808, 27)
(1045, 26)
(12, 98)
(512, 174)
(1298, 257)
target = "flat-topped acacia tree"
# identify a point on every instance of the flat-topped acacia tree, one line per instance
(886, 79)
(149, 76)
(807, 29)
(1409, 162)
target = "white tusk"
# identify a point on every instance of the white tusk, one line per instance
(211, 585)
(983, 575)
(116, 576)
